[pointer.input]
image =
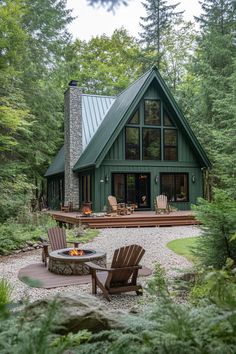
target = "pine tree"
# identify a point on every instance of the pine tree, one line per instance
(214, 67)
(159, 18)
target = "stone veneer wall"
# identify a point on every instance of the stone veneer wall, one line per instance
(73, 142)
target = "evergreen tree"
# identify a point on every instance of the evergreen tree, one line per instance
(215, 66)
(159, 18)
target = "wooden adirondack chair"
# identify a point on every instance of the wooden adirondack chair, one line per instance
(116, 208)
(57, 240)
(162, 204)
(122, 275)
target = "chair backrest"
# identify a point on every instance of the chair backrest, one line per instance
(126, 256)
(57, 238)
(161, 201)
(112, 202)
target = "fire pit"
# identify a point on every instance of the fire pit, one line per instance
(70, 261)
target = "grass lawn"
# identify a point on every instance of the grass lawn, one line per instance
(183, 246)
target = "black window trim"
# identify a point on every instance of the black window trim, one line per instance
(156, 128)
(171, 146)
(144, 121)
(133, 127)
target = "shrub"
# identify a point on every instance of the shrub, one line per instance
(5, 292)
(218, 219)
(14, 235)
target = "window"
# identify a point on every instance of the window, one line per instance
(135, 118)
(132, 188)
(150, 134)
(132, 147)
(152, 112)
(175, 186)
(170, 144)
(86, 188)
(151, 144)
(167, 120)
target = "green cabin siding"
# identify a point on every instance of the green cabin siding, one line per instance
(103, 189)
(115, 162)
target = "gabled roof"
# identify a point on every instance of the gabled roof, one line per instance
(94, 109)
(118, 114)
(58, 164)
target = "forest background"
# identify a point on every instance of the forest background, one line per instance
(38, 58)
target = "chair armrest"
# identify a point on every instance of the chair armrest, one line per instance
(126, 268)
(96, 267)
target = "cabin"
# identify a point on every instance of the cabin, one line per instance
(134, 146)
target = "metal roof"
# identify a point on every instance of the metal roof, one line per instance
(120, 111)
(58, 164)
(94, 109)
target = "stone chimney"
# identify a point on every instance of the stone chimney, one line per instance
(73, 140)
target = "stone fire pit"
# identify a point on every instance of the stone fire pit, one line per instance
(60, 262)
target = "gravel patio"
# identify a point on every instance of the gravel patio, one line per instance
(153, 240)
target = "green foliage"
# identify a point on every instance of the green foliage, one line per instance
(217, 286)
(16, 191)
(158, 286)
(81, 235)
(14, 236)
(218, 220)
(5, 292)
(104, 65)
(23, 338)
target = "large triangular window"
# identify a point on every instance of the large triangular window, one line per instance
(154, 136)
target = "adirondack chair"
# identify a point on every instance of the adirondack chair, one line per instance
(117, 208)
(57, 240)
(67, 207)
(162, 204)
(122, 275)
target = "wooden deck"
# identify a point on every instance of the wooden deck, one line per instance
(137, 219)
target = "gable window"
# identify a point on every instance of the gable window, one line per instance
(175, 186)
(151, 144)
(150, 134)
(132, 143)
(135, 118)
(152, 112)
(170, 144)
(167, 120)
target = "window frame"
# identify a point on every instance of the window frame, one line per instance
(86, 188)
(160, 112)
(151, 128)
(175, 174)
(170, 146)
(139, 145)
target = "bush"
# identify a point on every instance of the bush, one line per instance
(14, 235)
(218, 219)
(14, 193)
